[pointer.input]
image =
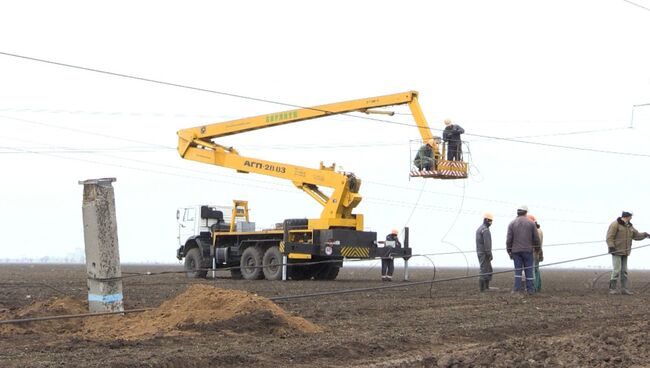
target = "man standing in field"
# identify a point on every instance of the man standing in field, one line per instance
(619, 242)
(387, 261)
(484, 252)
(538, 255)
(521, 240)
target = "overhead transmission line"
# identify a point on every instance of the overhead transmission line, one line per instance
(638, 5)
(281, 187)
(178, 85)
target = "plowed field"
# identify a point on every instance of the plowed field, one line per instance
(231, 323)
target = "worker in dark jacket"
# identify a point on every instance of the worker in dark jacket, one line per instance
(425, 159)
(521, 240)
(451, 135)
(484, 252)
(619, 242)
(387, 261)
(538, 255)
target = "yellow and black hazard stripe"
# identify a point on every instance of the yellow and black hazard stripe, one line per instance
(358, 252)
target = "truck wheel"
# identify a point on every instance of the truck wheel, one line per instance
(235, 274)
(298, 273)
(272, 262)
(194, 263)
(251, 264)
(326, 271)
(332, 273)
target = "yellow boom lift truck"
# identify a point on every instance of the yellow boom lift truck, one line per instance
(299, 248)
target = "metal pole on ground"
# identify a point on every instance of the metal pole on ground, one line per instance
(284, 267)
(406, 270)
(406, 259)
(102, 249)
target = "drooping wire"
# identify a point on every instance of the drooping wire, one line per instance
(460, 209)
(309, 108)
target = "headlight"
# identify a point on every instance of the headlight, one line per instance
(329, 250)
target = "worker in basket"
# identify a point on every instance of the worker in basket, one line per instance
(425, 159)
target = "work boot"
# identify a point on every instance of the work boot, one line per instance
(624, 289)
(488, 287)
(612, 287)
(481, 285)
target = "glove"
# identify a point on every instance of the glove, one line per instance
(510, 255)
(611, 250)
(490, 257)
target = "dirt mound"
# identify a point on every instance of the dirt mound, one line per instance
(199, 309)
(202, 308)
(49, 307)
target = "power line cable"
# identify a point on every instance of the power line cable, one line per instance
(638, 5)
(317, 294)
(311, 263)
(370, 199)
(410, 284)
(84, 132)
(311, 108)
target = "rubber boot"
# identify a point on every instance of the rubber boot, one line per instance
(481, 285)
(624, 289)
(612, 287)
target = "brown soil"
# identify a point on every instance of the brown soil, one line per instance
(573, 322)
(200, 308)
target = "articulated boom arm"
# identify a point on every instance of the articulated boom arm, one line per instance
(197, 144)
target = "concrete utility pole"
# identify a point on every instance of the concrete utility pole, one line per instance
(102, 249)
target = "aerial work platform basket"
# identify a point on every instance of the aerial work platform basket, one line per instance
(443, 169)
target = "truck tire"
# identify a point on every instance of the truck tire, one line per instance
(194, 263)
(327, 271)
(251, 264)
(298, 273)
(272, 262)
(235, 273)
(332, 273)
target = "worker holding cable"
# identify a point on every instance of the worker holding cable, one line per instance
(451, 135)
(387, 261)
(619, 242)
(484, 252)
(521, 240)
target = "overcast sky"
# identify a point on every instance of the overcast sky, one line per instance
(561, 73)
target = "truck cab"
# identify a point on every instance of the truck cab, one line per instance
(191, 220)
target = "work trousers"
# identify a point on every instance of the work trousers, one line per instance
(425, 163)
(486, 266)
(619, 268)
(538, 277)
(523, 260)
(387, 266)
(453, 152)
